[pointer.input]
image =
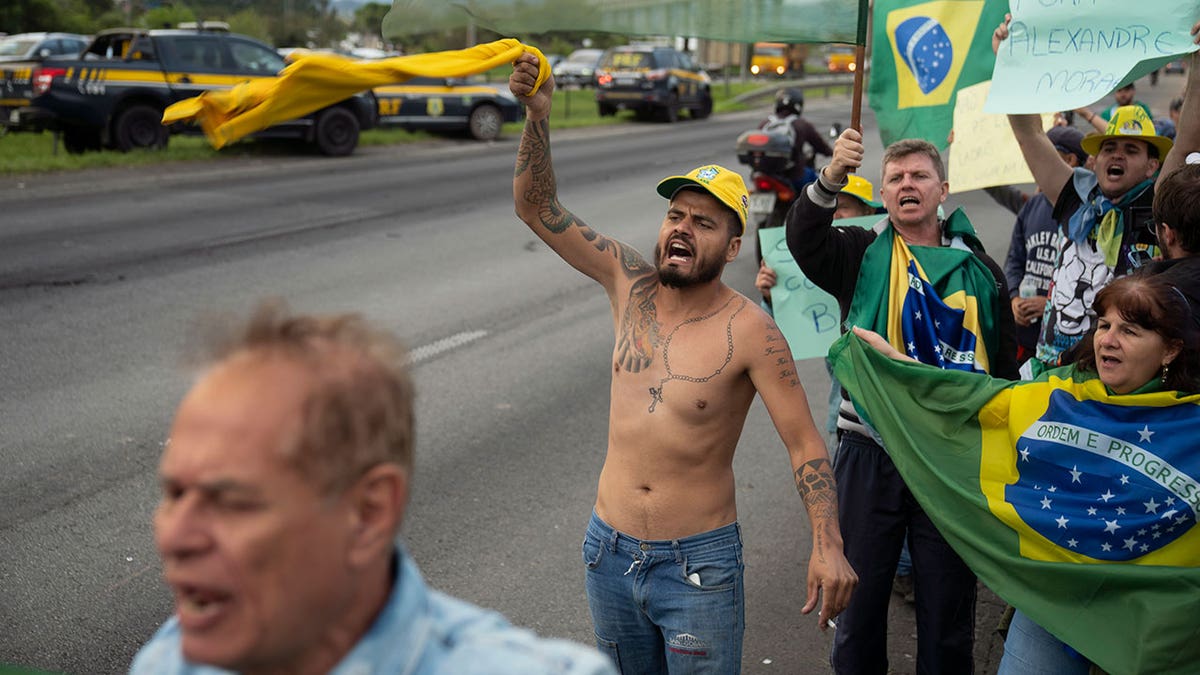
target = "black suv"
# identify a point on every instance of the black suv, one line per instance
(654, 82)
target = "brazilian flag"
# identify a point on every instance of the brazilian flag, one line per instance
(927, 299)
(1076, 506)
(922, 54)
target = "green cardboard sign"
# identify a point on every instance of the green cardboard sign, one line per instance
(808, 316)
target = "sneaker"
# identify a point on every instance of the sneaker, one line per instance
(902, 585)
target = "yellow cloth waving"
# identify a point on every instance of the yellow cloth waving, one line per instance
(314, 81)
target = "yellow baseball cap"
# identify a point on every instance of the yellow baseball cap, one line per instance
(861, 189)
(727, 186)
(1129, 121)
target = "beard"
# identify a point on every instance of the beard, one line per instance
(702, 272)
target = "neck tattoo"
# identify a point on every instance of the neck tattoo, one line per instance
(656, 392)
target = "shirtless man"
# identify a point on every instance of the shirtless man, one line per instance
(663, 549)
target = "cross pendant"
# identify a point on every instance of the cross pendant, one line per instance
(656, 395)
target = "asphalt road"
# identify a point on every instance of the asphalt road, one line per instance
(107, 277)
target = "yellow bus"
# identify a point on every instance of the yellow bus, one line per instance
(769, 58)
(840, 59)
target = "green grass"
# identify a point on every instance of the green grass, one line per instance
(35, 153)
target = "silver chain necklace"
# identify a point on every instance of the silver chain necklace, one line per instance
(656, 392)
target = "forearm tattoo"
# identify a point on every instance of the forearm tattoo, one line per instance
(814, 482)
(534, 157)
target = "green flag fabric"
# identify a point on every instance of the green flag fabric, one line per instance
(741, 21)
(922, 54)
(1076, 506)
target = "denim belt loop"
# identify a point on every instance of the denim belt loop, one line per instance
(678, 553)
(612, 539)
(739, 530)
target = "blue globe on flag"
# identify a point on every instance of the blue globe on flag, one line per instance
(925, 48)
(1109, 482)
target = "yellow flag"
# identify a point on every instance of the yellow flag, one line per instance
(316, 80)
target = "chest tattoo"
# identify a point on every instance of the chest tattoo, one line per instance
(656, 392)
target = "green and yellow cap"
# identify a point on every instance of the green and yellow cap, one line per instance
(727, 186)
(1128, 122)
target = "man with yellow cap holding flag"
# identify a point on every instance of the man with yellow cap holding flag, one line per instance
(663, 549)
(1104, 215)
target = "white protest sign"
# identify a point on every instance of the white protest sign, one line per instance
(1066, 54)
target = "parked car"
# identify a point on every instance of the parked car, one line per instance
(20, 54)
(38, 46)
(113, 95)
(442, 104)
(578, 69)
(653, 81)
(1174, 67)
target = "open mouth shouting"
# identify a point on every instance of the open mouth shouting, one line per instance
(200, 607)
(909, 200)
(679, 252)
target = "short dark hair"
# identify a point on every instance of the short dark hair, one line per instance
(1177, 204)
(914, 146)
(1157, 306)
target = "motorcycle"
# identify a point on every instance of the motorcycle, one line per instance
(769, 156)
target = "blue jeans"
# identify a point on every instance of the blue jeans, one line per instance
(875, 508)
(904, 567)
(667, 606)
(1030, 649)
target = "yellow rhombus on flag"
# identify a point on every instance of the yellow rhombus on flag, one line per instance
(314, 81)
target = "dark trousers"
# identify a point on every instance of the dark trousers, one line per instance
(876, 508)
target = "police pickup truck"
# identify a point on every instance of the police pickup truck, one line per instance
(114, 94)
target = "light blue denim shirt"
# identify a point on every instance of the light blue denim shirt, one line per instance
(419, 632)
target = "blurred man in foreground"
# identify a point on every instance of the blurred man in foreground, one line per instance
(284, 484)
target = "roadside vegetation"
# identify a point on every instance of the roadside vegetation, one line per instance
(36, 153)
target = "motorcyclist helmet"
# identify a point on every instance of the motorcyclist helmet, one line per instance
(789, 102)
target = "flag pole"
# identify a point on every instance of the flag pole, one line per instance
(860, 51)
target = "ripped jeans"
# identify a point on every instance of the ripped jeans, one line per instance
(667, 606)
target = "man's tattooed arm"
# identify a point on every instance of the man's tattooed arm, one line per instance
(535, 171)
(536, 195)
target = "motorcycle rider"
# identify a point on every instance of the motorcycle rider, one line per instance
(807, 143)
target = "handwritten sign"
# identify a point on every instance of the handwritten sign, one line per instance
(808, 316)
(1066, 54)
(984, 152)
